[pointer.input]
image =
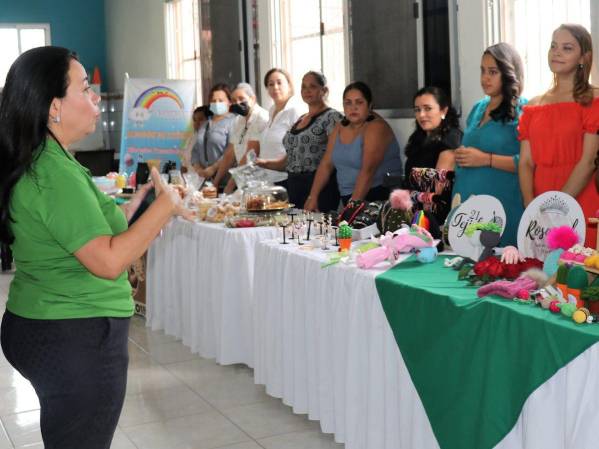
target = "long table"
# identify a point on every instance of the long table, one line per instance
(199, 287)
(323, 344)
(320, 340)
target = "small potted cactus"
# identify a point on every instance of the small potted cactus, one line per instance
(345, 235)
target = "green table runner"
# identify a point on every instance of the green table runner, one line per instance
(474, 362)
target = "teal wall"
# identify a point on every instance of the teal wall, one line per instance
(75, 24)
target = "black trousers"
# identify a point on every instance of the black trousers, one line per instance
(78, 368)
(299, 185)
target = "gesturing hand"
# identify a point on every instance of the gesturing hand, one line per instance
(173, 194)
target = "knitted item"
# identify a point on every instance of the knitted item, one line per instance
(507, 289)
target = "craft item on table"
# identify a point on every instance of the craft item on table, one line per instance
(577, 253)
(547, 211)
(591, 297)
(530, 280)
(592, 261)
(567, 308)
(576, 281)
(453, 262)
(393, 244)
(511, 255)
(426, 255)
(367, 246)
(581, 315)
(335, 258)
(345, 236)
(561, 279)
(492, 269)
(548, 295)
(477, 209)
(395, 212)
(420, 219)
(490, 235)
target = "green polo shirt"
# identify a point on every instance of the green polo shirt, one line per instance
(56, 209)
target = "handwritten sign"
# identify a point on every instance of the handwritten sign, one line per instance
(477, 209)
(548, 210)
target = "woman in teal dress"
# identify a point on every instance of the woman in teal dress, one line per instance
(487, 161)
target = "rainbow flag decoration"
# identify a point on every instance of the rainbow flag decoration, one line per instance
(149, 96)
(421, 220)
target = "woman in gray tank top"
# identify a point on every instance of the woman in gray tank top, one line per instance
(362, 148)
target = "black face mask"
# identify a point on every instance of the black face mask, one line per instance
(242, 108)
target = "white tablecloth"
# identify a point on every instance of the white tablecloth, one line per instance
(199, 287)
(323, 345)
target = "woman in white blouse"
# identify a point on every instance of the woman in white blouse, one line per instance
(285, 111)
(249, 125)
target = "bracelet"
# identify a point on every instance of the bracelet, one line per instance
(490, 159)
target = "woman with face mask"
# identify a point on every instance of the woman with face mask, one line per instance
(558, 130)
(431, 146)
(488, 158)
(249, 123)
(213, 136)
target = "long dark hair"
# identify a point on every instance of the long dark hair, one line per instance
(33, 81)
(451, 120)
(510, 66)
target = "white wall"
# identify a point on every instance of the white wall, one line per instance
(135, 40)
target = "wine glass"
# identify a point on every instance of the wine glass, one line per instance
(284, 223)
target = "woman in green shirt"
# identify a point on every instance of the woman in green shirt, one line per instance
(67, 317)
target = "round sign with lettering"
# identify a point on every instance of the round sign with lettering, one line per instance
(476, 209)
(548, 210)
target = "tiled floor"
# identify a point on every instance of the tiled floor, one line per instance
(175, 400)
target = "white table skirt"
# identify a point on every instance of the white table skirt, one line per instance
(323, 345)
(199, 284)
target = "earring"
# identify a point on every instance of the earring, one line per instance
(56, 119)
(443, 117)
(581, 66)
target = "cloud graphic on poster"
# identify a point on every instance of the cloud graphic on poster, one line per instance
(139, 116)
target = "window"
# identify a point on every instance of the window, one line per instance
(18, 38)
(527, 25)
(311, 34)
(183, 42)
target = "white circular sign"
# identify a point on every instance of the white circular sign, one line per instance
(548, 210)
(476, 209)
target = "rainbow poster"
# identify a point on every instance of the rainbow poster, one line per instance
(156, 119)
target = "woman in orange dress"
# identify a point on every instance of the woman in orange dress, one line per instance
(558, 130)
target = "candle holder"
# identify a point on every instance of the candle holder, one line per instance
(283, 226)
(292, 215)
(310, 219)
(336, 239)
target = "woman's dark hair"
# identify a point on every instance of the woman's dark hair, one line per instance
(362, 87)
(510, 65)
(451, 120)
(319, 77)
(282, 72)
(222, 87)
(33, 81)
(366, 93)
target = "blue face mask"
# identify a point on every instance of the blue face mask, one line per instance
(219, 108)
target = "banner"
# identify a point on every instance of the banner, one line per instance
(156, 118)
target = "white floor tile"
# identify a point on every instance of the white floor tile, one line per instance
(301, 440)
(160, 405)
(170, 353)
(23, 428)
(121, 441)
(148, 376)
(204, 431)
(5, 442)
(267, 418)
(16, 400)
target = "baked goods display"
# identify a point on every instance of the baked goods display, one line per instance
(261, 196)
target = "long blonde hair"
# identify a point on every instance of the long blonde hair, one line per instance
(583, 90)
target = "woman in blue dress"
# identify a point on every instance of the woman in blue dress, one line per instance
(487, 161)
